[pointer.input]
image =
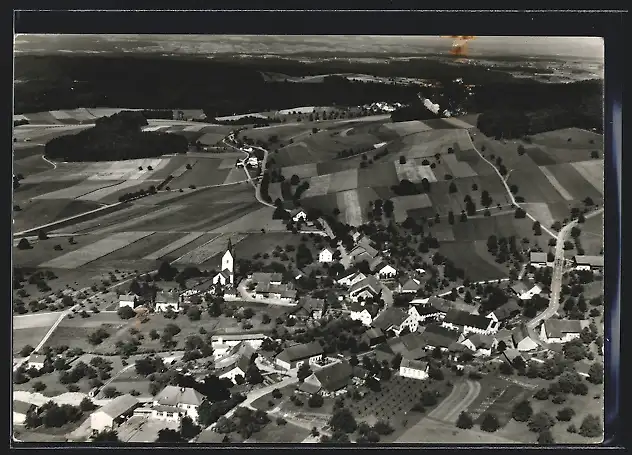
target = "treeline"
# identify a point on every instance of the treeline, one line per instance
(158, 114)
(117, 137)
(248, 120)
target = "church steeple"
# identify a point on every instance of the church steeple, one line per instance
(229, 248)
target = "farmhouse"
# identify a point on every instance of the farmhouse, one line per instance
(326, 255)
(173, 403)
(294, 356)
(409, 285)
(480, 344)
(370, 287)
(506, 311)
(512, 355)
(523, 292)
(363, 312)
(265, 277)
(373, 337)
(437, 336)
(309, 308)
(382, 269)
(456, 351)
(561, 330)
(539, 259)
(351, 277)
(421, 313)
(127, 300)
(238, 368)
(298, 215)
(167, 300)
(330, 380)
(108, 416)
(20, 409)
(363, 251)
(36, 361)
(583, 262)
(415, 369)
(466, 322)
(391, 319)
(411, 346)
(522, 339)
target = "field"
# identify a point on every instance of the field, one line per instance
(432, 431)
(473, 258)
(204, 172)
(273, 433)
(403, 204)
(209, 249)
(592, 235)
(41, 212)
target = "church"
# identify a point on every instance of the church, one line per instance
(226, 276)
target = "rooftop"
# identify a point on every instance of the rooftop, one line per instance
(335, 376)
(538, 256)
(556, 328)
(391, 317)
(173, 396)
(369, 282)
(462, 318)
(593, 261)
(436, 336)
(419, 365)
(266, 277)
(119, 406)
(300, 352)
(167, 297)
(507, 310)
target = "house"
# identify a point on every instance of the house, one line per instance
(391, 319)
(362, 311)
(294, 356)
(518, 288)
(350, 278)
(561, 330)
(36, 361)
(309, 308)
(167, 300)
(174, 402)
(20, 410)
(238, 368)
(383, 270)
(535, 290)
(421, 313)
(466, 322)
(522, 339)
(539, 259)
(505, 336)
(330, 380)
(285, 292)
(222, 278)
(326, 255)
(363, 252)
(506, 311)
(456, 350)
(266, 277)
(480, 344)
(584, 262)
(253, 161)
(512, 355)
(411, 346)
(128, 299)
(437, 336)
(298, 215)
(372, 337)
(369, 287)
(108, 416)
(523, 291)
(409, 285)
(415, 369)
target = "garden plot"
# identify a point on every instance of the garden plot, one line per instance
(102, 193)
(318, 186)
(76, 191)
(174, 246)
(414, 172)
(592, 172)
(349, 204)
(459, 169)
(556, 184)
(402, 204)
(95, 251)
(302, 170)
(343, 181)
(211, 248)
(406, 128)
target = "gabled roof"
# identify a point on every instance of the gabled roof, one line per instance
(359, 307)
(300, 352)
(372, 334)
(173, 396)
(593, 261)
(308, 386)
(436, 336)
(418, 365)
(335, 376)
(507, 310)
(167, 297)
(556, 328)
(519, 287)
(266, 277)
(391, 317)
(119, 406)
(440, 304)
(295, 212)
(519, 333)
(538, 256)
(411, 284)
(481, 341)
(225, 273)
(129, 297)
(380, 265)
(311, 304)
(327, 249)
(461, 318)
(369, 282)
(363, 248)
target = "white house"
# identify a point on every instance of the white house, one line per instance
(253, 161)
(294, 356)
(561, 330)
(351, 278)
(227, 273)
(522, 339)
(584, 262)
(166, 301)
(466, 322)
(128, 299)
(409, 285)
(391, 319)
(326, 255)
(384, 270)
(415, 369)
(481, 345)
(36, 361)
(108, 416)
(173, 403)
(360, 311)
(238, 368)
(369, 287)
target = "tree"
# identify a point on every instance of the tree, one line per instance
(513, 189)
(546, 438)
(521, 150)
(452, 188)
(168, 435)
(464, 421)
(303, 372)
(253, 375)
(522, 411)
(42, 235)
(451, 217)
(490, 422)
(575, 232)
(294, 180)
(565, 414)
(382, 427)
(39, 386)
(542, 394)
(591, 426)
(126, 312)
(594, 154)
(520, 213)
(343, 420)
(26, 350)
(24, 244)
(87, 405)
(595, 373)
(188, 428)
(110, 392)
(402, 159)
(315, 401)
(537, 229)
(106, 436)
(540, 422)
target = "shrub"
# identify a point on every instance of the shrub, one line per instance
(591, 426)
(464, 421)
(542, 394)
(490, 423)
(565, 414)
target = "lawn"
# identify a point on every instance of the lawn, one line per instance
(31, 336)
(203, 173)
(533, 186)
(378, 174)
(591, 237)
(472, 259)
(130, 255)
(274, 433)
(432, 431)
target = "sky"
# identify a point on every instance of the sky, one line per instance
(558, 47)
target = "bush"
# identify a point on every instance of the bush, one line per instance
(464, 421)
(315, 401)
(591, 426)
(572, 428)
(522, 412)
(490, 423)
(540, 422)
(565, 414)
(542, 394)
(281, 421)
(545, 438)
(39, 386)
(126, 312)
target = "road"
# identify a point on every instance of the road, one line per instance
(462, 396)
(558, 272)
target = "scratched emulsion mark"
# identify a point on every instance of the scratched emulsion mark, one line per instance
(459, 44)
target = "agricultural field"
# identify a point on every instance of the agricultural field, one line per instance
(433, 431)
(41, 212)
(474, 259)
(207, 251)
(592, 235)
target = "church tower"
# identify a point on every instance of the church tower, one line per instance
(228, 262)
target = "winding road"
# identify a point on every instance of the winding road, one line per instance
(462, 396)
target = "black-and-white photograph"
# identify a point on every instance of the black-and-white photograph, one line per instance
(266, 239)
